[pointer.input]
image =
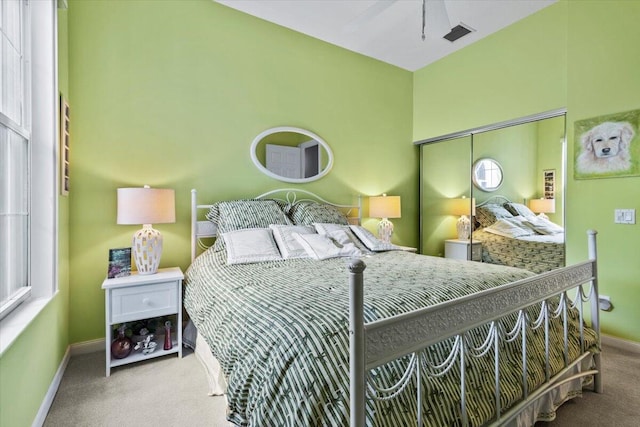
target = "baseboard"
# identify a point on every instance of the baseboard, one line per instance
(620, 343)
(51, 392)
(87, 347)
(73, 350)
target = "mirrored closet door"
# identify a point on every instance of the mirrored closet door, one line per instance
(496, 194)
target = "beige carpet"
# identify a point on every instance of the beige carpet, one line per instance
(172, 392)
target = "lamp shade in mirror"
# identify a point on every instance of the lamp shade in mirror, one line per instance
(487, 174)
(542, 205)
(291, 154)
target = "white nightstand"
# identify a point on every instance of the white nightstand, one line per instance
(463, 249)
(138, 297)
(408, 249)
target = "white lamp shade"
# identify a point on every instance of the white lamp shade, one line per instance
(384, 207)
(542, 205)
(146, 206)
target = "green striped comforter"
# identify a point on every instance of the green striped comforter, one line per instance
(280, 332)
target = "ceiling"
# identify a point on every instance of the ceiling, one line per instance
(391, 30)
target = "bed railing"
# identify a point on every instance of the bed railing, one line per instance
(376, 343)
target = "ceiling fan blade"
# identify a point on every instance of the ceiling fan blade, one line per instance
(437, 22)
(371, 12)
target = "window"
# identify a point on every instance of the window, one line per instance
(14, 155)
(28, 150)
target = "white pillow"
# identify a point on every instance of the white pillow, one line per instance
(370, 241)
(289, 247)
(250, 245)
(324, 246)
(543, 225)
(509, 227)
(326, 228)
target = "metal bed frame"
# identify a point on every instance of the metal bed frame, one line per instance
(376, 343)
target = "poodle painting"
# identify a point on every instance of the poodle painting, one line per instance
(607, 146)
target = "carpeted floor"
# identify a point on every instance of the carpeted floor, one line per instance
(172, 392)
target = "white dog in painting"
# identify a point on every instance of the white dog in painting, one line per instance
(605, 148)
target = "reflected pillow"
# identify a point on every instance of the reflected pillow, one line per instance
(289, 246)
(489, 214)
(306, 213)
(543, 225)
(509, 227)
(250, 245)
(518, 209)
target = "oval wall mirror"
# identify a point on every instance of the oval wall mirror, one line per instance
(291, 154)
(487, 174)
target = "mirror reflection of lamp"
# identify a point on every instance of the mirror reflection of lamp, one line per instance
(464, 207)
(542, 206)
(384, 207)
(146, 206)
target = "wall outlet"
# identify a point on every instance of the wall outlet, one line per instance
(604, 301)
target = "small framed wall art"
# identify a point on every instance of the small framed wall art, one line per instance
(64, 146)
(549, 182)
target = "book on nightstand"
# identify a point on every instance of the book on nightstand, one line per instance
(119, 263)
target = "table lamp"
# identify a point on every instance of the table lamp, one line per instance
(146, 206)
(464, 207)
(542, 206)
(384, 207)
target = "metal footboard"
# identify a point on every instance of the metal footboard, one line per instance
(531, 303)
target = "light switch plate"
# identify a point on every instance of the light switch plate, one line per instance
(625, 216)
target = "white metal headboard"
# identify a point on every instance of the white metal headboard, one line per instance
(495, 200)
(203, 229)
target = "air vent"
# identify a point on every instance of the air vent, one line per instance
(458, 31)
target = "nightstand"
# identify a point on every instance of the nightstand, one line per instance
(139, 297)
(408, 249)
(463, 249)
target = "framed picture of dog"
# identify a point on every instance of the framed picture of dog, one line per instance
(607, 146)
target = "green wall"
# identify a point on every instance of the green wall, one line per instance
(559, 57)
(172, 94)
(595, 88)
(28, 366)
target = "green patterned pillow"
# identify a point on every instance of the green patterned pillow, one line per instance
(307, 213)
(489, 214)
(241, 214)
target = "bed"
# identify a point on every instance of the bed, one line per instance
(302, 341)
(513, 235)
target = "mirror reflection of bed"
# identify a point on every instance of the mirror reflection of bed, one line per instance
(528, 154)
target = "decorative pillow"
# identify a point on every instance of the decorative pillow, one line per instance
(306, 213)
(241, 214)
(370, 241)
(289, 247)
(250, 245)
(509, 227)
(326, 228)
(321, 247)
(488, 214)
(542, 225)
(518, 209)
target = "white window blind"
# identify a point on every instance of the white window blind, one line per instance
(15, 153)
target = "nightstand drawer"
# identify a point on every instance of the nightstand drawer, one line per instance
(144, 301)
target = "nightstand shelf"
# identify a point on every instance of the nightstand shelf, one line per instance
(140, 297)
(463, 249)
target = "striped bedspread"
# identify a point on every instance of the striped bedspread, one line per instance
(280, 332)
(537, 253)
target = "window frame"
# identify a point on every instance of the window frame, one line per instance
(41, 71)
